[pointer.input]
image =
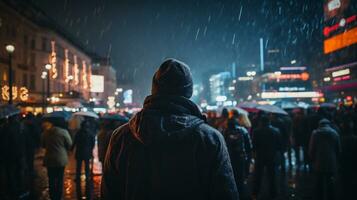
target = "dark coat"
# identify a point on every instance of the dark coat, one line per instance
(103, 142)
(266, 143)
(238, 140)
(324, 148)
(167, 152)
(57, 142)
(84, 142)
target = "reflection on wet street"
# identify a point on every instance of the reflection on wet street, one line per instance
(73, 189)
(294, 184)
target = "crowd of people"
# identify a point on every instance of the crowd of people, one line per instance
(318, 140)
(23, 137)
(171, 150)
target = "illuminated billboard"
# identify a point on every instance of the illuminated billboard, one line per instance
(335, 8)
(97, 83)
(340, 28)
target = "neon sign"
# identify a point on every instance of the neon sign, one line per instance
(281, 95)
(21, 93)
(342, 78)
(290, 89)
(341, 72)
(303, 76)
(53, 60)
(340, 41)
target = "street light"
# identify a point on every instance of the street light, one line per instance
(10, 50)
(43, 77)
(48, 68)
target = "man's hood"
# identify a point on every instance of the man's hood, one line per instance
(165, 118)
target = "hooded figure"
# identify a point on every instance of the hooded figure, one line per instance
(324, 150)
(166, 151)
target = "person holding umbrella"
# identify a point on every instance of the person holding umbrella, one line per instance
(266, 146)
(57, 142)
(84, 142)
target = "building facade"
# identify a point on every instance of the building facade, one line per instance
(38, 41)
(102, 68)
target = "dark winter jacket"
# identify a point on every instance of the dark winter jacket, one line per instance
(167, 152)
(103, 142)
(266, 143)
(84, 143)
(324, 148)
(57, 142)
(238, 140)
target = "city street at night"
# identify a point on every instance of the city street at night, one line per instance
(294, 184)
(178, 99)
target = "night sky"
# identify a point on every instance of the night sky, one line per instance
(208, 35)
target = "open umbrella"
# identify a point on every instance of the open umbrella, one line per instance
(87, 114)
(327, 105)
(58, 114)
(272, 109)
(8, 111)
(286, 105)
(115, 117)
(249, 106)
(241, 110)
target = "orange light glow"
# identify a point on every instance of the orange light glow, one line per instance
(340, 41)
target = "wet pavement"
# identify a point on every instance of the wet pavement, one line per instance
(88, 189)
(294, 184)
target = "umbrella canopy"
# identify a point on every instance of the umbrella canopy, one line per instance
(272, 109)
(327, 105)
(286, 105)
(87, 114)
(249, 106)
(8, 111)
(58, 114)
(115, 117)
(241, 110)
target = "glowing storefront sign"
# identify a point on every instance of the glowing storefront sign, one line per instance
(245, 78)
(75, 70)
(53, 60)
(340, 41)
(293, 68)
(97, 83)
(281, 95)
(128, 96)
(342, 78)
(291, 89)
(111, 102)
(221, 98)
(341, 72)
(66, 65)
(21, 93)
(84, 74)
(303, 76)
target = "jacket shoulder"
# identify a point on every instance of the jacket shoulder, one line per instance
(119, 132)
(209, 134)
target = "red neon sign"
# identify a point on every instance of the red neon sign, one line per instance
(342, 78)
(303, 76)
(327, 30)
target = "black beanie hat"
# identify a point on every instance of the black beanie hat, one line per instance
(173, 78)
